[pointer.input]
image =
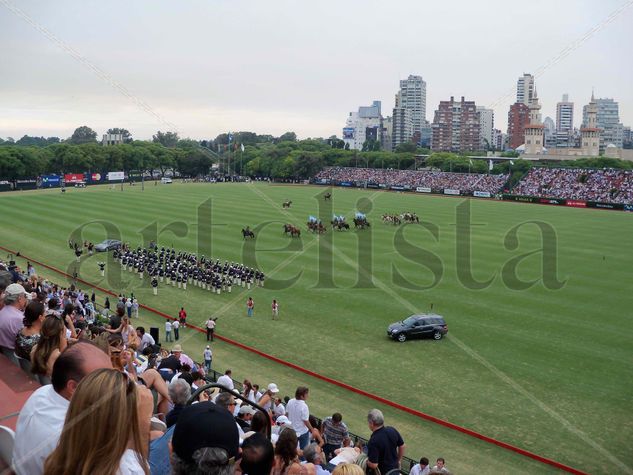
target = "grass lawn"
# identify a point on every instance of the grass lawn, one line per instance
(541, 367)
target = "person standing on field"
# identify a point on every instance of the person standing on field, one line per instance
(210, 325)
(275, 309)
(208, 357)
(176, 325)
(250, 307)
(168, 328)
(182, 316)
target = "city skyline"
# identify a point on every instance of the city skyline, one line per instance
(279, 73)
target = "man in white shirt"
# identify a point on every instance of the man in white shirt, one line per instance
(299, 414)
(168, 328)
(146, 339)
(42, 418)
(225, 380)
(210, 325)
(422, 468)
(176, 326)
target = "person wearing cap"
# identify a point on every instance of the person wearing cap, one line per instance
(15, 298)
(205, 440)
(244, 417)
(183, 358)
(267, 399)
(207, 354)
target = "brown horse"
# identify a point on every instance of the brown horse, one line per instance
(327, 196)
(286, 204)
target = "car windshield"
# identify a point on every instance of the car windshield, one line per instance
(410, 320)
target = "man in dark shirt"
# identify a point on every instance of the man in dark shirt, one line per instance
(386, 447)
(169, 366)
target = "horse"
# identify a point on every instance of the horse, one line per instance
(327, 196)
(340, 225)
(288, 228)
(247, 233)
(286, 204)
(295, 232)
(361, 223)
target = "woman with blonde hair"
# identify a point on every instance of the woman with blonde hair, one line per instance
(51, 343)
(348, 469)
(106, 431)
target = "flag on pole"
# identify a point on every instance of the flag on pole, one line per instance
(490, 165)
(242, 147)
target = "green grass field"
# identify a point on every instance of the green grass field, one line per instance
(548, 370)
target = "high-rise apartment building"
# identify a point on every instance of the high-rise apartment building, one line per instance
(518, 118)
(608, 121)
(456, 126)
(401, 126)
(590, 131)
(366, 124)
(486, 124)
(412, 96)
(525, 89)
(549, 132)
(564, 122)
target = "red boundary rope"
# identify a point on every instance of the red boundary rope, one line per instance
(335, 382)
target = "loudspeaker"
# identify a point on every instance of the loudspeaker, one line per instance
(155, 334)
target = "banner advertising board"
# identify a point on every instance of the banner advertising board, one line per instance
(74, 178)
(448, 191)
(345, 183)
(595, 204)
(51, 181)
(628, 207)
(96, 177)
(423, 189)
(29, 184)
(576, 203)
(396, 188)
(116, 176)
(481, 194)
(372, 185)
(348, 133)
(551, 201)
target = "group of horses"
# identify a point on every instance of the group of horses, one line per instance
(316, 227)
(292, 231)
(396, 219)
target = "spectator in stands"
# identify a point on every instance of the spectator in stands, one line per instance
(146, 340)
(244, 417)
(348, 469)
(183, 358)
(266, 399)
(386, 447)
(278, 408)
(287, 457)
(50, 345)
(314, 454)
(261, 423)
(179, 393)
(421, 468)
(315, 432)
(42, 417)
(205, 441)
(11, 318)
(127, 332)
(28, 337)
(117, 318)
(334, 433)
(439, 466)
(116, 434)
(225, 380)
(258, 456)
(169, 366)
(299, 415)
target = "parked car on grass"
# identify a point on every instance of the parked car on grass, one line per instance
(108, 245)
(418, 326)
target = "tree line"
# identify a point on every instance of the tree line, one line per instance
(240, 153)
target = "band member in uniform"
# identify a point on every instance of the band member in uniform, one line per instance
(155, 285)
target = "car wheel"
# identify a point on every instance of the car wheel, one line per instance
(437, 335)
(402, 337)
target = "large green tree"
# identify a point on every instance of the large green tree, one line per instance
(166, 139)
(83, 134)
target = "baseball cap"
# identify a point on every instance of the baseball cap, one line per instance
(205, 425)
(16, 289)
(246, 409)
(283, 421)
(272, 387)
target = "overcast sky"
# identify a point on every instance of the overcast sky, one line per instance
(207, 67)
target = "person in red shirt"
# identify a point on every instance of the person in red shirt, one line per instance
(250, 306)
(182, 316)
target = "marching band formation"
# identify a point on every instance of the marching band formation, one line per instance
(182, 268)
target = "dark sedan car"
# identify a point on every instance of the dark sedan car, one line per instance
(108, 245)
(418, 326)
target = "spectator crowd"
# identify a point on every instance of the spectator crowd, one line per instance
(112, 401)
(435, 180)
(607, 185)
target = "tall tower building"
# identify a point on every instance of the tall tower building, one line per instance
(608, 120)
(564, 122)
(534, 140)
(518, 118)
(525, 89)
(486, 124)
(366, 124)
(456, 127)
(402, 126)
(590, 132)
(412, 96)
